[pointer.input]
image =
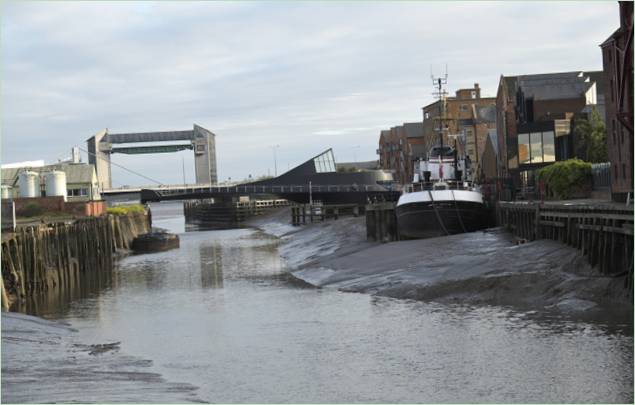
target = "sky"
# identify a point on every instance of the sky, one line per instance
(286, 78)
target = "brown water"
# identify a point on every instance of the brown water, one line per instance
(220, 315)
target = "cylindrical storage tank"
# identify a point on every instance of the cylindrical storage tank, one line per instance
(55, 183)
(29, 183)
(7, 192)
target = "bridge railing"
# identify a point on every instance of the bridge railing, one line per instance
(271, 189)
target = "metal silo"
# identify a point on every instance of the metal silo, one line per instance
(55, 183)
(7, 192)
(29, 183)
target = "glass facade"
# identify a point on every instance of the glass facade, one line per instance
(548, 147)
(523, 149)
(325, 162)
(536, 147)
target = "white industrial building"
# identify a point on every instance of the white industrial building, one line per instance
(75, 181)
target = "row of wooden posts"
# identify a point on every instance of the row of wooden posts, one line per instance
(37, 259)
(309, 213)
(604, 233)
(227, 213)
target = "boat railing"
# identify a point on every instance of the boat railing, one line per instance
(445, 184)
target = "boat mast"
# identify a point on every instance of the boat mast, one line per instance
(440, 93)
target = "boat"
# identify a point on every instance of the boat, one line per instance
(441, 200)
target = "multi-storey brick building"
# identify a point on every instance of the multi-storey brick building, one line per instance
(617, 55)
(466, 114)
(534, 116)
(399, 147)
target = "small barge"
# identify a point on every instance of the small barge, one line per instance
(156, 241)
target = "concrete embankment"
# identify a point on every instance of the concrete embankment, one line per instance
(474, 268)
(39, 259)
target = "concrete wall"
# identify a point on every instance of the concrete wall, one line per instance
(205, 156)
(100, 160)
(57, 204)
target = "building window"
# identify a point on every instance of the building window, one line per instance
(200, 148)
(523, 149)
(463, 107)
(536, 147)
(548, 147)
(77, 192)
(473, 94)
(426, 115)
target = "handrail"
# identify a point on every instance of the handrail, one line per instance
(291, 188)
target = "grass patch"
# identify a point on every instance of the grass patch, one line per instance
(127, 209)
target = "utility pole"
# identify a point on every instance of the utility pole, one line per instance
(275, 160)
(183, 163)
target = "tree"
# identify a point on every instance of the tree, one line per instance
(590, 134)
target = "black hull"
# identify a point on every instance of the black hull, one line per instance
(428, 220)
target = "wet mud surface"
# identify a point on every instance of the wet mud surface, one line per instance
(481, 268)
(44, 362)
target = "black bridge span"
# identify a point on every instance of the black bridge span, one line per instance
(328, 194)
(316, 179)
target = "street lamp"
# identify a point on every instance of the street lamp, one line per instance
(355, 152)
(275, 160)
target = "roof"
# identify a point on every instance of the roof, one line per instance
(75, 173)
(413, 129)
(554, 86)
(367, 165)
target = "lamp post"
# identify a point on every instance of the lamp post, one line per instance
(275, 160)
(355, 153)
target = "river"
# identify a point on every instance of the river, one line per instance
(221, 314)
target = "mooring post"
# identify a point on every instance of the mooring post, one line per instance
(537, 232)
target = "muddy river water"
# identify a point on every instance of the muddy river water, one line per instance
(219, 314)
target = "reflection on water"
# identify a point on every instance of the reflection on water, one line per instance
(217, 313)
(211, 267)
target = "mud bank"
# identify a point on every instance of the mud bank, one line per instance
(47, 358)
(475, 268)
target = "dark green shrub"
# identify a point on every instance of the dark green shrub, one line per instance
(565, 179)
(32, 210)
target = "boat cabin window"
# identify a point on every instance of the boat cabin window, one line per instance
(444, 151)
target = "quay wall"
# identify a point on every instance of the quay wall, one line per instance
(604, 233)
(38, 259)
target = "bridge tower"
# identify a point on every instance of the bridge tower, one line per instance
(198, 139)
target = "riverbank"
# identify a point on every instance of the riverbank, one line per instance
(483, 268)
(41, 259)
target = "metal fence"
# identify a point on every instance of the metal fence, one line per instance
(601, 175)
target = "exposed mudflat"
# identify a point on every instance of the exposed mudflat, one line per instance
(483, 267)
(48, 358)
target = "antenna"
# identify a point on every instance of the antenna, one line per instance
(440, 93)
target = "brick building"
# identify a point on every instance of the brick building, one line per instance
(467, 114)
(534, 117)
(617, 55)
(399, 147)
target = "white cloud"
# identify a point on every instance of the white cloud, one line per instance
(304, 75)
